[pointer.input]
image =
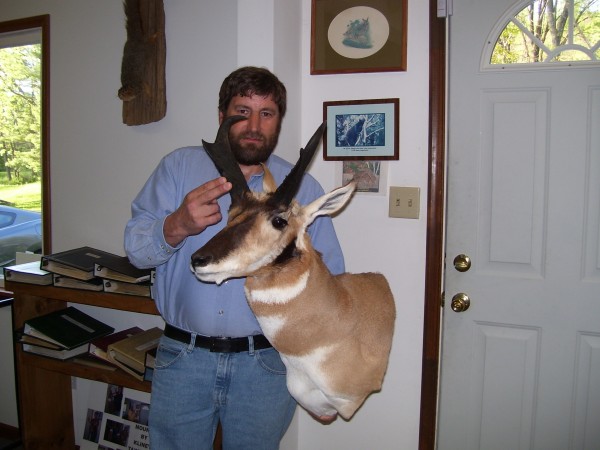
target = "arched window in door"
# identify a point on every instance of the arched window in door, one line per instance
(545, 32)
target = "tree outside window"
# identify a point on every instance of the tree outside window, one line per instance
(20, 151)
(550, 31)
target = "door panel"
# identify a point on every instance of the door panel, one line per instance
(521, 366)
(513, 180)
(507, 379)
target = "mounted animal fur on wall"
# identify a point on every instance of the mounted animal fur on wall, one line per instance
(334, 333)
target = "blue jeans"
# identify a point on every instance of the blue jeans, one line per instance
(193, 389)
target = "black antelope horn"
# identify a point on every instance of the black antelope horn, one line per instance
(286, 192)
(221, 154)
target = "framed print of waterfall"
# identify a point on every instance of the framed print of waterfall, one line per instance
(352, 36)
(361, 130)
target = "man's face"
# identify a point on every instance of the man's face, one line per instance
(253, 140)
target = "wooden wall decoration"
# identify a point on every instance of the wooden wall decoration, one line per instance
(143, 85)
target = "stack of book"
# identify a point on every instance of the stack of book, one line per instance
(61, 334)
(71, 334)
(85, 268)
(135, 354)
(99, 346)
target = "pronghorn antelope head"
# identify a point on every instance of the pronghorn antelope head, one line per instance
(266, 227)
(333, 333)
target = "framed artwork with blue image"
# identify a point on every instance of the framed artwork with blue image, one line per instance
(361, 130)
(351, 36)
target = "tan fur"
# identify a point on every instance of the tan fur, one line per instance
(354, 313)
(334, 333)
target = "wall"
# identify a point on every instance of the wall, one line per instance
(373, 242)
(98, 164)
(8, 409)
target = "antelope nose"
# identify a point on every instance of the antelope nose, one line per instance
(201, 260)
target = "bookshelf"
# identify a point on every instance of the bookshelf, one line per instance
(44, 384)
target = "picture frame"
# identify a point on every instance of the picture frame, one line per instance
(371, 177)
(361, 130)
(354, 36)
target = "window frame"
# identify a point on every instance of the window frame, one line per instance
(490, 44)
(42, 23)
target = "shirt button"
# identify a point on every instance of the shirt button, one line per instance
(221, 312)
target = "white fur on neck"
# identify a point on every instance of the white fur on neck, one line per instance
(270, 325)
(308, 383)
(279, 294)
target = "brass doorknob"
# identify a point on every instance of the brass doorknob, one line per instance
(460, 302)
(462, 263)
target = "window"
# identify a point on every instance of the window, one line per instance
(549, 32)
(24, 140)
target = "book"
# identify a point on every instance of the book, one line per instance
(150, 359)
(28, 273)
(95, 284)
(76, 263)
(68, 328)
(92, 361)
(121, 269)
(122, 287)
(148, 374)
(125, 368)
(22, 338)
(61, 354)
(150, 363)
(99, 346)
(32, 344)
(130, 353)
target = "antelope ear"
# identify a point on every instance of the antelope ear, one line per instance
(328, 204)
(269, 184)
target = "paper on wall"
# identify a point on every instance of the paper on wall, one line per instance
(116, 418)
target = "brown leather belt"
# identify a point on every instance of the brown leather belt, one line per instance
(218, 344)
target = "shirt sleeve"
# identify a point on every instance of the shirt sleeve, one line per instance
(145, 243)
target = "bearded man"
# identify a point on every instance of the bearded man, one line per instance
(213, 365)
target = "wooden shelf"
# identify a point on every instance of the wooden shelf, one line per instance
(44, 384)
(117, 376)
(102, 299)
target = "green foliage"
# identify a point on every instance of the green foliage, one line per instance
(20, 108)
(543, 26)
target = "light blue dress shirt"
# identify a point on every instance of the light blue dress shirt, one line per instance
(183, 300)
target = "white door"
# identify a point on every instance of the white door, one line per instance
(521, 366)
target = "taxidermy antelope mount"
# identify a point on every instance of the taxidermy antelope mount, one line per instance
(334, 333)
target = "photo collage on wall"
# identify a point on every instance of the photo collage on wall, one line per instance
(116, 419)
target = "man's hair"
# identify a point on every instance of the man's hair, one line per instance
(247, 81)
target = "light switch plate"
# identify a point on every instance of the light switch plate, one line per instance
(405, 202)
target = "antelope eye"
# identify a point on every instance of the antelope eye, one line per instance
(279, 223)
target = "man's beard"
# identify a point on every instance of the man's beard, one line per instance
(252, 154)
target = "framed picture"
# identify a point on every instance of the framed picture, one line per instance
(361, 129)
(351, 36)
(371, 177)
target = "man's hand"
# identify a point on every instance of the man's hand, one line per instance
(198, 211)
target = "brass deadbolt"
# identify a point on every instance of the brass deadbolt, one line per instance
(462, 263)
